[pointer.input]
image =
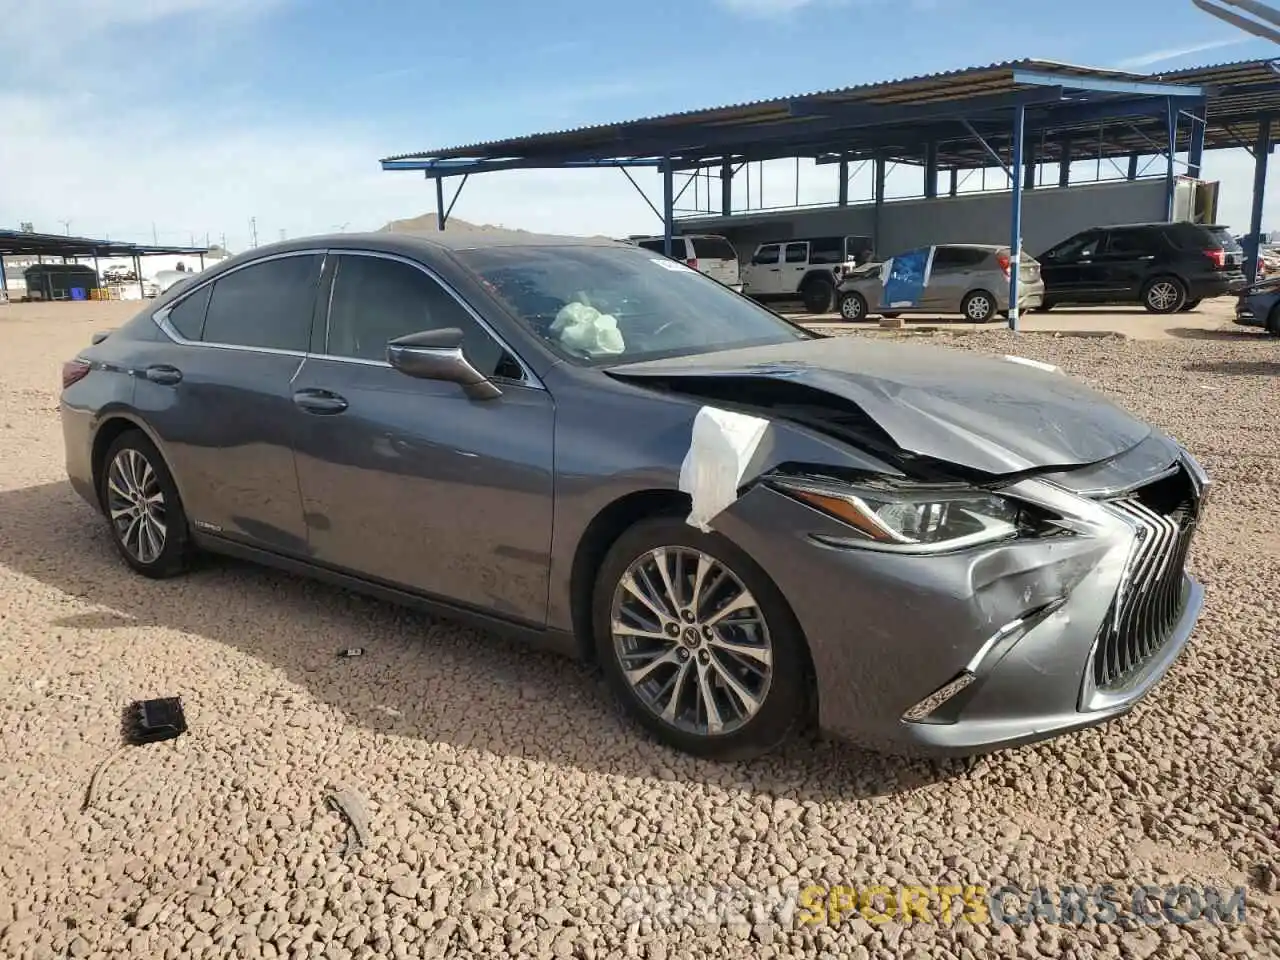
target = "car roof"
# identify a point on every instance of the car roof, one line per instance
(417, 242)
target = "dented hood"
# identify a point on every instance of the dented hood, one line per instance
(988, 414)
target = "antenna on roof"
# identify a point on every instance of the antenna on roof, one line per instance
(1268, 15)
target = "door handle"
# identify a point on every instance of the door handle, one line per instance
(320, 401)
(163, 373)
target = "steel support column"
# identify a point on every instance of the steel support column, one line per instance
(1015, 233)
(1261, 154)
(1133, 167)
(668, 205)
(726, 188)
(137, 272)
(843, 196)
(1195, 156)
(931, 170)
(955, 181)
(440, 217)
(1064, 165)
(1171, 156)
(879, 167)
(1030, 163)
(4, 283)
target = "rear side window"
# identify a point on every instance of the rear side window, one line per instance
(677, 247)
(827, 250)
(266, 305)
(713, 248)
(187, 316)
(1223, 238)
(958, 258)
(797, 252)
(654, 245)
(1131, 242)
(1191, 236)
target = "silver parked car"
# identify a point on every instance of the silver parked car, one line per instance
(745, 524)
(970, 279)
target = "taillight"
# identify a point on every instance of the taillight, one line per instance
(1004, 261)
(73, 371)
(1218, 256)
(692, 262)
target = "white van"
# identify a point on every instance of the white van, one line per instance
(707, 254)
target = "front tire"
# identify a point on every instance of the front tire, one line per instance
(698, 643)
(978, 306)
(817, 295)
(144, 512)
(1164, 295)
(853, 306)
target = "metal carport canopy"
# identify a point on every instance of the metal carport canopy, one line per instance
(19, 243)
(953, 119)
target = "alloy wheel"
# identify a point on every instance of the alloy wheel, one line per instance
(1163, 296)
(979, 308)
(851, 308)
(135, 504)
(692, 641)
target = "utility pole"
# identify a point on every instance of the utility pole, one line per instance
(66, 225)
(253, 232)
(155, 239)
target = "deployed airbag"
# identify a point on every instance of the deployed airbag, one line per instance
(720, 450)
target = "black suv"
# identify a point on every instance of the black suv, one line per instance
(1166, 267)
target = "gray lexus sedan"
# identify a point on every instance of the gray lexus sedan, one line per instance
(748, 526)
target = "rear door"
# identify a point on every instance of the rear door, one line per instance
(795, 264)
(950, 279)
(221, 398)
(1125, 262)
(716, 257)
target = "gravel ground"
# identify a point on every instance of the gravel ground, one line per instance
(511, 811)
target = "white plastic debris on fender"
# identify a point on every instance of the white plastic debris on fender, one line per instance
(1049, 367)
(720, 451)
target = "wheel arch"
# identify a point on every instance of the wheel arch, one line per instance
(601, 533)
(817, 276)
(112, 426)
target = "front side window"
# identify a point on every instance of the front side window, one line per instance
(1076, 248)
(376, 300)
(600, 304)
(266, 305)
(766, 254)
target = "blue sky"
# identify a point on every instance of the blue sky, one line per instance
(195, 115)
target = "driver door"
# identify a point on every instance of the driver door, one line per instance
(410, 482)
(1068, 270)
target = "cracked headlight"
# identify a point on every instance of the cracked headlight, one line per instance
(912, 518)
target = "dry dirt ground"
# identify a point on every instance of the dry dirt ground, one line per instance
(512, 812)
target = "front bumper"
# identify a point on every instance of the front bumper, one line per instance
(1025, 617)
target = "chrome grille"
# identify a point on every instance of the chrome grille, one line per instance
(1153, 593)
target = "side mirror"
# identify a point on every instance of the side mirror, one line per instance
(437, 355)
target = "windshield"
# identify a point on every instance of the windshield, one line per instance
(598, 304)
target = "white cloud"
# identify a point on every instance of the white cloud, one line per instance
(765, 8)
(1152, 57)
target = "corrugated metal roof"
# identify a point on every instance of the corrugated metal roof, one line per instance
(922, 89)
(21, 243)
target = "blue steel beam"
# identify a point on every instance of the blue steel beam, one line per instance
(453, 167)
(1133, 88)
(1171, 132)
(1015, 233)
(1123, 109)
(668, 206)
(1195, 155)
(854, 115)
(1261, 156)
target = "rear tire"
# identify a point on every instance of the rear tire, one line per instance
(678, 659)
(1164, 295)
(817, 294)
(853, 306)
(891, 316)
(1273, 321)
(978, 306)
(144, 512)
